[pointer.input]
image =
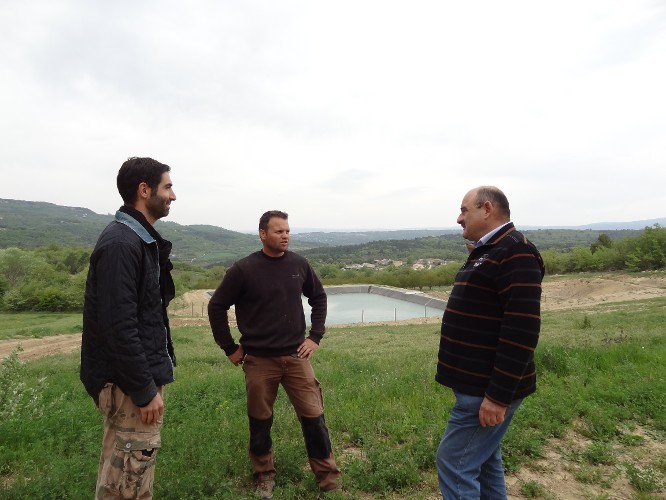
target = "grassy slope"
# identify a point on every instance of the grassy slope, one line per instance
(37, 325)
(602, 369)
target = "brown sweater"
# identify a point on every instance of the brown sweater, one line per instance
(266, 292)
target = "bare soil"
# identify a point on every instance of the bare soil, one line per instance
(557, 473)
(46, 346)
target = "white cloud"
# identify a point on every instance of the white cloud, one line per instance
(345, 114)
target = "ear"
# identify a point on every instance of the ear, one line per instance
(143, 191)
(262, 234)
(488, 208)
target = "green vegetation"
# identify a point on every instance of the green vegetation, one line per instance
(46, 279)
(37, 275)
(644, 252)
(192, 277)
(532, 489)
(402, 277)
(53, 278)
(38, 325)
(604, 382)
(28, 225)
(449, 246)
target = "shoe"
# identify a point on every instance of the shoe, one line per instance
(265, 485)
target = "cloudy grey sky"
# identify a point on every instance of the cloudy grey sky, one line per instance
(346, 114)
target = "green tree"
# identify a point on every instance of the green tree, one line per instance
(582, 260)
(608, 259)
(35, 283)
(603, 241)
(327, 271)
(648, 251)
(16, 266)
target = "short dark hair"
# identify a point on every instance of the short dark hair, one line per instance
(496, 197)
(263, 221)
(135, 171)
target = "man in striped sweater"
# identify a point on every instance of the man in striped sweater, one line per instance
(490, 330)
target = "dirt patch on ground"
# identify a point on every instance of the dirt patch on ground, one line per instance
(566, 292)
(37, 348)
(568, 470)
(562, 292)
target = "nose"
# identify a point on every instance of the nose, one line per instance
(173, 196)
(460, 219)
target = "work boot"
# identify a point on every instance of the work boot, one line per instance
(265, 485)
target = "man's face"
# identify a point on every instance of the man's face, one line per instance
(472, 218)
(276, 237)
(159, 202)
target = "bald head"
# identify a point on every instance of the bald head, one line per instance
(483, 209)
(495, 196)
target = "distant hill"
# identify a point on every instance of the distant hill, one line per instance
(610, 226)
(337, 238)
(452, 246)
(30, 224)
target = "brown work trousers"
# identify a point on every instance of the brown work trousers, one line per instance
(129, 448)
(263, 376)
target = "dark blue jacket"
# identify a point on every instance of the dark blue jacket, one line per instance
(125, 337)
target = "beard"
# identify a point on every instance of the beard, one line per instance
(158, 207)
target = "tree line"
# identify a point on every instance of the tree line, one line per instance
(52, 278)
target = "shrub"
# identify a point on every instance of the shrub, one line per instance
(16, 398)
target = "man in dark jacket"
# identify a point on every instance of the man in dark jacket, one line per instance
(126, 353)
(266, 289)
(490, 330)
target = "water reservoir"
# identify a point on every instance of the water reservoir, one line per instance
(367, 304)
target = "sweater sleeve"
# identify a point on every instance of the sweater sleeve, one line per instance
(519, 286)
(223, 298)
(314, 291)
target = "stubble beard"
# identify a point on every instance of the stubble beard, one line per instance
(158, 207)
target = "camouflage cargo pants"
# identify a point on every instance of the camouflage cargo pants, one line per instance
(129, 448)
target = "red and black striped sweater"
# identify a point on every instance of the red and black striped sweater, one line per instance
(492, 320)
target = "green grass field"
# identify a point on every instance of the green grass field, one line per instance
(602, 373)
(37, 325)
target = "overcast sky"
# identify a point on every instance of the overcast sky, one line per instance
(345, 114)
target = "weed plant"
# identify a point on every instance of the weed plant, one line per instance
(385, 412)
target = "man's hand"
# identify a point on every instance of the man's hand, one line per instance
(237, 356)
(307, 349)
(154, 410)
(491, 413)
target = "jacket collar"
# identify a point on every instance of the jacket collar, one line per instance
(135, 225)
(496, 235)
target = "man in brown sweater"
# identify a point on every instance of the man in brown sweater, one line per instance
(266, 289)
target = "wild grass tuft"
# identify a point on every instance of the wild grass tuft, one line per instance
(644, 479)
